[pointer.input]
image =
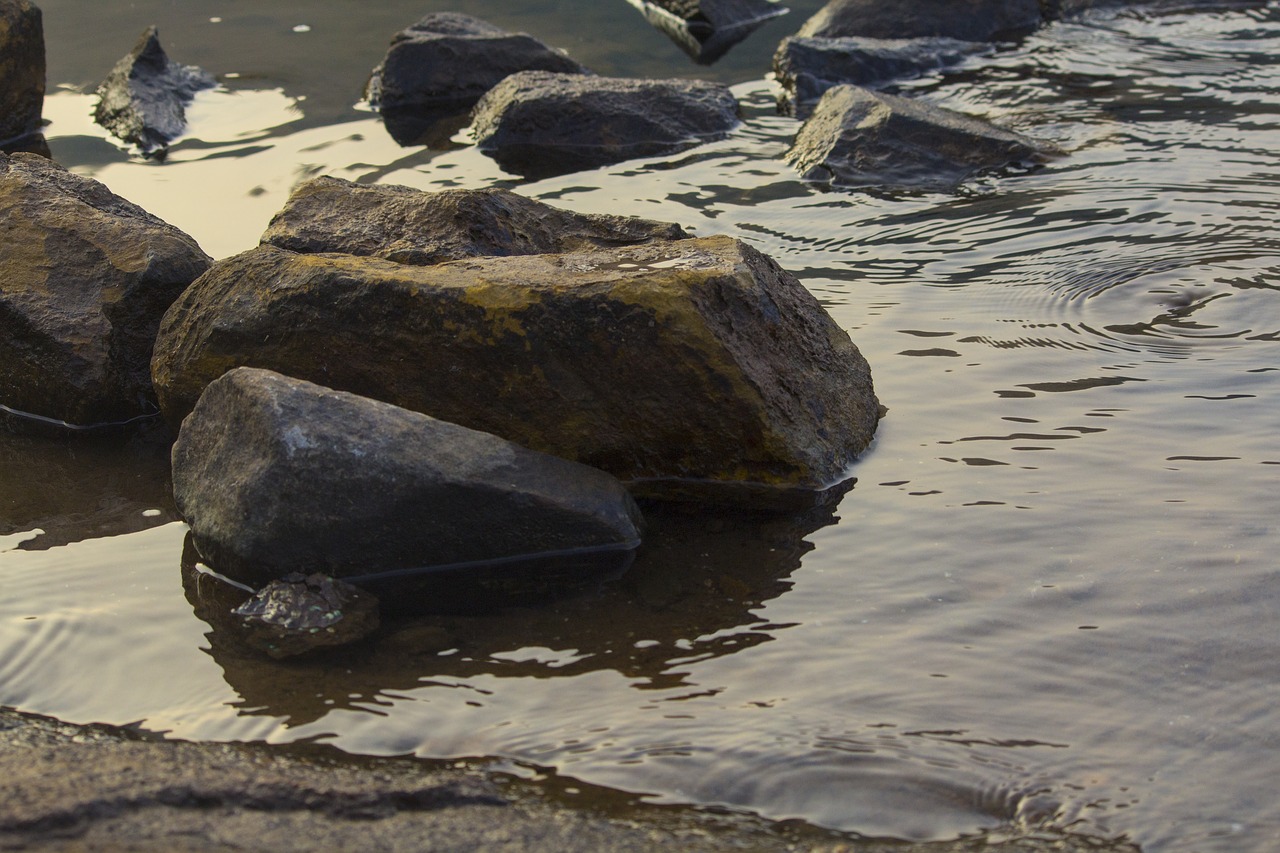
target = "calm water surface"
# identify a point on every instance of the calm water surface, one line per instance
(1049, 601)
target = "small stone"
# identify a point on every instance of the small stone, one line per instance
(301, 613)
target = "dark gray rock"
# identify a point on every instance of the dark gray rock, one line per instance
(967, 20)
(807, 67)
(538, 124)
(276, 475)
(437, 69)
(143, 101)
(301, 613)
(21, 68)
(707, 29)
(858, 138)
(1075, 8)
(414, 227)
(674, 362)
(84, 278)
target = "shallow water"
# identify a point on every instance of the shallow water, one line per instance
(1049, 600)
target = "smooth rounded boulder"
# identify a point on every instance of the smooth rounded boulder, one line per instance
(85, 277)
(22, 68)
(276, 475)
(859, 138)
(967, 20)
(438, 68)
(538, 125)
(413, 227)
(691, 360)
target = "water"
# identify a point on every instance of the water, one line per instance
(1049, 601)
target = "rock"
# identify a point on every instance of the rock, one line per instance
(413, 227)
(143, 101)
(808, 67)
(691, 360)
(276, 475)
(437, 69)
(302, 613)
(21, 68)
(84, 279)
(706, 29)
(858, 138)
(537, 124)
(967, 20)
(1074, 8)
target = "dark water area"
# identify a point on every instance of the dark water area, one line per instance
(1049, 601)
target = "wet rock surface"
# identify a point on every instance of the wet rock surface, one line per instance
(84, 280)
(538, 124)
(859, 138)
(22, 68)
(301, 613)
(687, 360)
(436, 70)
(413, 227)
(707, 29)
(807, 67)
(276, 475)
(967, 20)
(143, 101)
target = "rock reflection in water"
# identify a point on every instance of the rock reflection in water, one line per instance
(690, 595)
(82, 488)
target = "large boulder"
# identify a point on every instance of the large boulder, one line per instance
(706, 29)
(691, 360)
(968, 20)
(436, 70)
(84, 279)
(806, 68)
(413, 227)
(538, 124)
(276, 475)
(859, 138)
(21, 68)
(144, 99)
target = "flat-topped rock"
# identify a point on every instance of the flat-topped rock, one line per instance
(414, 227)
(537, 124)
(693, 360)
(859, 138)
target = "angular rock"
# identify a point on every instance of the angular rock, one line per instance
(436, 70)
(301, 613)
(858, 138)
(692, 360)
(706, 29)
(143, 101)
(276, 475)
(414, 227)
(807, 67)
(21, 68)
(84, 279)
(967, 20)
(537, 124)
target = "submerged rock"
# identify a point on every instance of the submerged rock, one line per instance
(437, 69)
(21, 68)
(143, 101)
(967, 20)
(690, 360)
(858, 138)
(84, 279)
(301, 613)
(706, 29)
(414, 227)
(276, 475)
(537, 124)
(807, 67)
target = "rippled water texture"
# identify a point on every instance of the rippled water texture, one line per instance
(1049, 600)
